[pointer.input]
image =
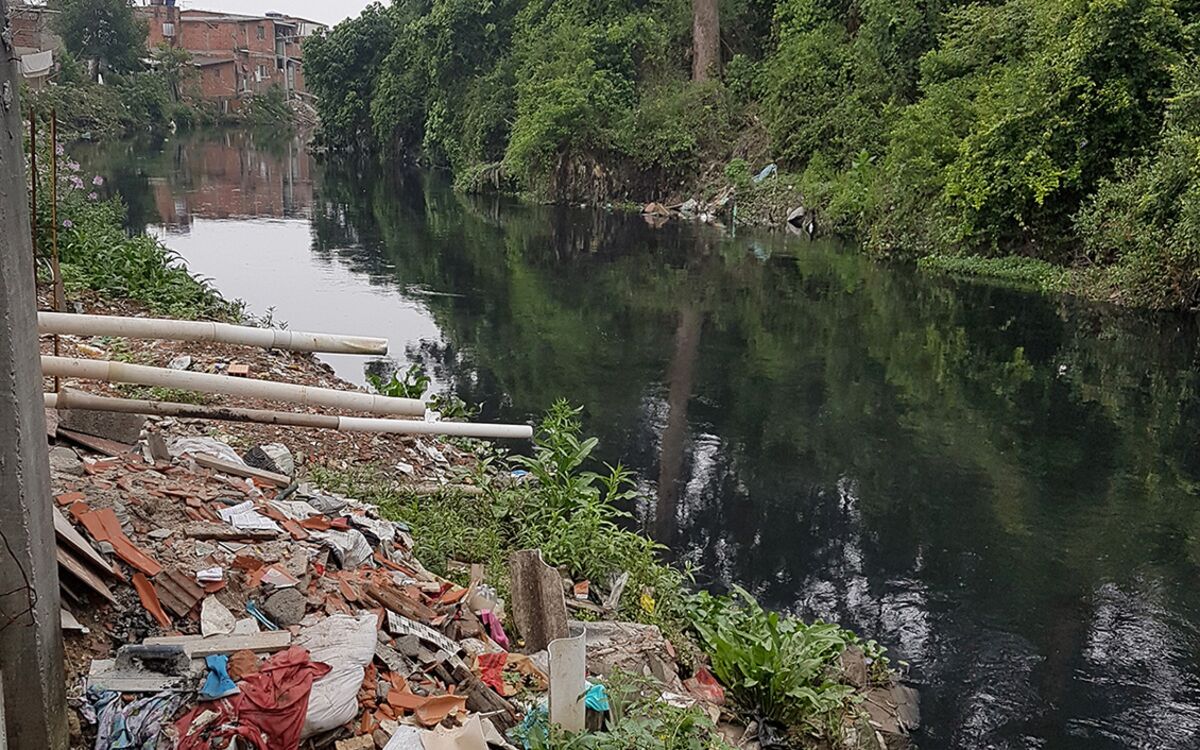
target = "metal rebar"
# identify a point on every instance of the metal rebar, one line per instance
(55, 271)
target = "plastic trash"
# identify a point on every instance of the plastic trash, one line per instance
(347, 645)
(596, 697)
(218, 683)
(768, 171)
(206, 445)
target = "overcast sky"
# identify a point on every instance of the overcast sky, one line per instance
(325, 11)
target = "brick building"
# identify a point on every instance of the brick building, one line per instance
(34, 41)
(235, 55)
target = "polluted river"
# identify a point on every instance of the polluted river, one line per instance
(1002, 488)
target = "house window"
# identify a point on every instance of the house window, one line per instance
(168, 30)
(262, 72)
(261, 32)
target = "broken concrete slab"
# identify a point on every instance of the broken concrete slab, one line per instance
(568, 682)
(198, 647)
(538, 604)
(122, 428)
(63, 460)
(285, 607)
(630, 648)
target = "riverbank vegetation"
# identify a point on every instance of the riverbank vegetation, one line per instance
(98, 255)
(1029, 129)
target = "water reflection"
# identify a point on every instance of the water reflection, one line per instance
(1002, 488)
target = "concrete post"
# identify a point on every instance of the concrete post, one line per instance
(31, 650)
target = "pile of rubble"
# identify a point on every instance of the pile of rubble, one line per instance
(209, 595)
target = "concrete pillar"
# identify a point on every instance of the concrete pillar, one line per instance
(31, 650)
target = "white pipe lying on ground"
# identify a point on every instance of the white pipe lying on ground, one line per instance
(71, 399)
(121, 372)
(194, 330)
(457, 429)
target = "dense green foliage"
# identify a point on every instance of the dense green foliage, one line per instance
(105, 32)
(776, 667)
(1026, 128)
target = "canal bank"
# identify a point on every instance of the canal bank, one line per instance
(996, 485)
(399, 539)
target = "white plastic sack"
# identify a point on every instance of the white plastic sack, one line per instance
(347, 645)
(207, 445)
(350, 548)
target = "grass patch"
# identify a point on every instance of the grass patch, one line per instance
(155, 393)
(1027, 273)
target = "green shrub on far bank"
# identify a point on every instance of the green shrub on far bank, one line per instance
(1030, 273)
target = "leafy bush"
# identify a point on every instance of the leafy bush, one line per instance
(413, 384)
(777, 668)
(1146, 220)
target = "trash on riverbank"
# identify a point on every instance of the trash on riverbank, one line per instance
(305, 575)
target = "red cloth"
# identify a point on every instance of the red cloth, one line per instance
(491, 670)
(268, 713)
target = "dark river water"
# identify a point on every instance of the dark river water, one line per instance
(1004, 489)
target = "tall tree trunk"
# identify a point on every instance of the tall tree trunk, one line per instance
(706, 40)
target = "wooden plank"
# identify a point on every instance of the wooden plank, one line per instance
(78, 544)
(101, 445)
(198, 647)
(84, 574)
(239, 470)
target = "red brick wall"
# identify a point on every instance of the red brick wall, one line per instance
(218, 81)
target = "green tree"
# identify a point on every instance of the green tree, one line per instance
(175, 66)
(105, 32)
(341, 67)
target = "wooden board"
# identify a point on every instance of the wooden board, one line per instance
(79, 546)
(100, 445)
(84, 574)
(240, 470)
(198, 647)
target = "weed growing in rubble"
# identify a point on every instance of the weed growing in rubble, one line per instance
(413, 384)
(775, 667)
(563, 509)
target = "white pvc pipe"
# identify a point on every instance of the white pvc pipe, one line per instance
(457, 429)
(195, 330)
(69, 399)
(121, 372)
